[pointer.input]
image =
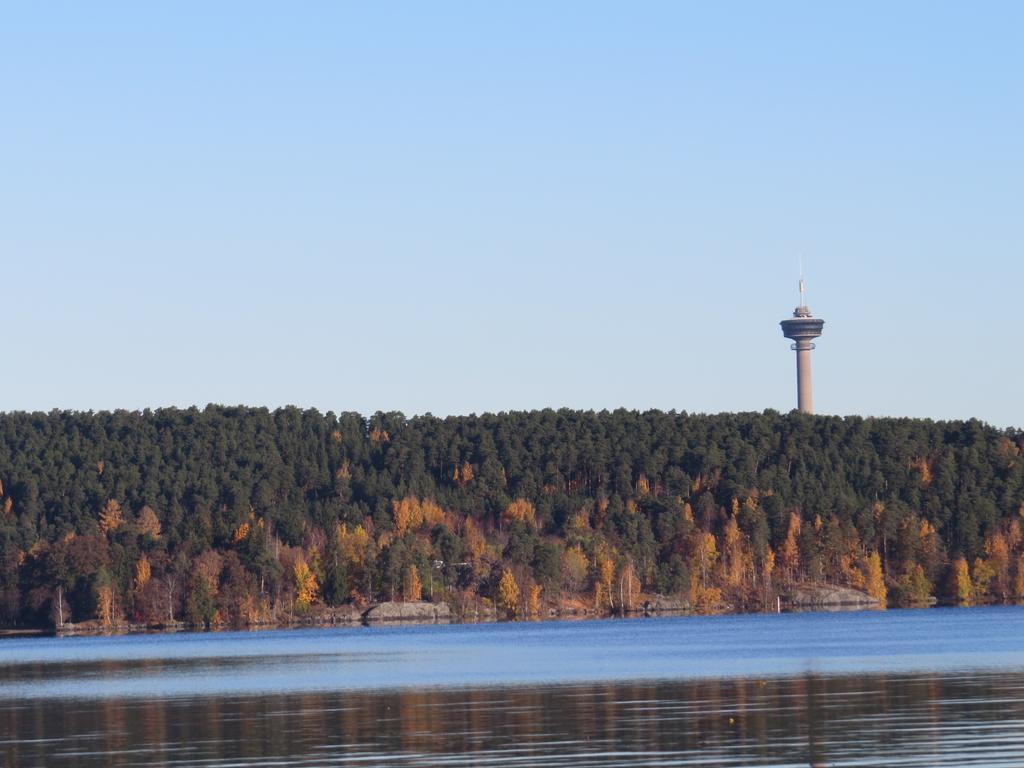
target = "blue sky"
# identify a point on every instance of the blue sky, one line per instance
(460, 208)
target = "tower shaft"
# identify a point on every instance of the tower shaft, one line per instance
(804, 397)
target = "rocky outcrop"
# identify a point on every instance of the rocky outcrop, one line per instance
(419, 612)
(330, 617)
(658, 605)
(828, 596)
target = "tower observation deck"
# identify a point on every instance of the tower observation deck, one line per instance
(803, 328)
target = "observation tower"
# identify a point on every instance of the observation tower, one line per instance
(802, 328)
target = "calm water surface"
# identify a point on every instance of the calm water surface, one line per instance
(897, 688)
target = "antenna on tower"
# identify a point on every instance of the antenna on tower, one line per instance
(802, 287)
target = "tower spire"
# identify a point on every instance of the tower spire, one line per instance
(803, 303)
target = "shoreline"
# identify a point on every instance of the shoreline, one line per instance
(82, 630)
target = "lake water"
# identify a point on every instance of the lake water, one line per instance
(897, 688)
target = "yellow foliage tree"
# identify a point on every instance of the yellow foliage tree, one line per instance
(874, 581)
(412, 588)
(354, 545)
(705, 557)
(703, 597)
(463, 475)
(605, 579)
(1018, 584)
(508, 594)
(476, 544)
(922, 466)
(687, 514)
(767, 569)
(733, 552)
(143, 573)
(431, 513)
(998, 550)
(111, 516)
(962, 581)
(519, 510)
(147, 522)
(915, 585)
(412, 513)
(241, 533)
(535, 591)
(306, 587)
(408, 514)
(579, 523)
(789, 554)
(983, 575)
(574, 564)
(705, 600)
(851, 571)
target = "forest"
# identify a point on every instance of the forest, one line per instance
(236, 516)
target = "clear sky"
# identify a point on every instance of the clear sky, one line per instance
(474, 207)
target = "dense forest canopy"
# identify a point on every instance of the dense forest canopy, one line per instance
(233, 514)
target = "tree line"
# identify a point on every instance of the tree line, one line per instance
(235, 516)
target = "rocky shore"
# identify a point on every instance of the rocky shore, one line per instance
(801, 597)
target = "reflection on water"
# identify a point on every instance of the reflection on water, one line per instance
(901, 688)
(877, 720)
(241, 663)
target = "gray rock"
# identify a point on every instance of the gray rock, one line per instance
(342, 614)
(661, 604)
(421, 612)
(829, 596)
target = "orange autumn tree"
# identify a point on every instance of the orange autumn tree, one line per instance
(143, 572)
(521, 511)
(535, 591)
(411, 513)
(111, 516)
(476, 544)
(408, 514)
(412, 588)
(147, 523)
